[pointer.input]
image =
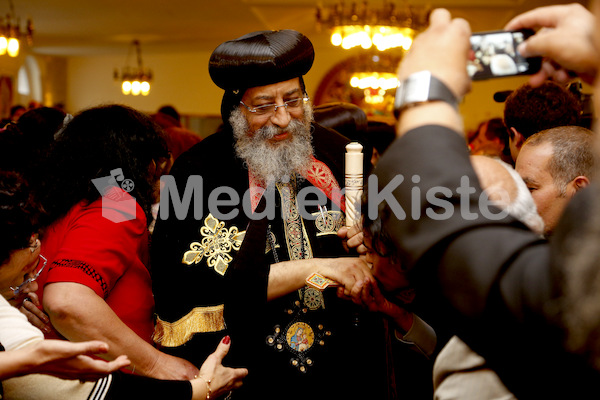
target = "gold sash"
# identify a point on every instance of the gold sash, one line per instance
(199, 320)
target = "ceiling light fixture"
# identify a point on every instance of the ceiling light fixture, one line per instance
(386, 28)
(134, 80)
(376, 77)
(10, 32)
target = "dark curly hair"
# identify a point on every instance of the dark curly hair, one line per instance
(37, 127)
(40, 124)
(96, 141)
(18, 214)
(14, 151)
(530, 110)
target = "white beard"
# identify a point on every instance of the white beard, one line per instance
(274, 162)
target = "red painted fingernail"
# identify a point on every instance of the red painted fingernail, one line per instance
(226, 339)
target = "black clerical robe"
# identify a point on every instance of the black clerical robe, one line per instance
(210, 279)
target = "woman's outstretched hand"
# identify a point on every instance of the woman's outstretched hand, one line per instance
(215, 379)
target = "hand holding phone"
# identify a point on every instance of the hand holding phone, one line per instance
(494, 54)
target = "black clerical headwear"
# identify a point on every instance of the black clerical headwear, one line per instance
(261, 58)
(258, 59)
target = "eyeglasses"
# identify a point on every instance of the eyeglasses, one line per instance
(32, 277)
(290, 105)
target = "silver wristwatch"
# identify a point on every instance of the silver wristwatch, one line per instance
(422, 87)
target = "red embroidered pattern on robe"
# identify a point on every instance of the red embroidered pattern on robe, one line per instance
(318, 174)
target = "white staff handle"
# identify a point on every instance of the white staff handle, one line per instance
(354, 182)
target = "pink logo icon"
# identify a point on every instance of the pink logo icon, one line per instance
(117, 204)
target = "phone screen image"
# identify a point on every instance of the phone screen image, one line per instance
(494, 54)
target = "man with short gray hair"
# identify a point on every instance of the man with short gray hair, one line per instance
(555, 164)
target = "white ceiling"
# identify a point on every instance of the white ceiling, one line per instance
(83, 27)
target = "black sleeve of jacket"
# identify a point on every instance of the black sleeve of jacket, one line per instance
(488, 281)
(126, 387)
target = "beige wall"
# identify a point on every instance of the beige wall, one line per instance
(180, 79)
(54, 79)
(479, 105)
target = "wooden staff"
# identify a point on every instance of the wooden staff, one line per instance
(354, 182)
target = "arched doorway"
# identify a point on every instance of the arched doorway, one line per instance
(29, 82)
(377, 102)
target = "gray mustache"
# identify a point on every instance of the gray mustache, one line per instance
(268, 132)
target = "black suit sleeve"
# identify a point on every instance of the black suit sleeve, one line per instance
(126, 386)
(446, 219)
(487, 279)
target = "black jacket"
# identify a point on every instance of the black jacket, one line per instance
(492, 283)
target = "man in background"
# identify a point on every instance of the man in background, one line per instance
(555, 164)
(529, 110)
(179, 139)
(491, 139)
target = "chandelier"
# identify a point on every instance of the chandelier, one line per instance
(384, 28)
(10, 32)
(375, 85)
(134, 80)
(373, 77)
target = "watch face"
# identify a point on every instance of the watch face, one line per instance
(417, 87)
(422, 87)
(414, 89)
(398, 101)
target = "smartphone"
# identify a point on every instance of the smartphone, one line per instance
(494, 55)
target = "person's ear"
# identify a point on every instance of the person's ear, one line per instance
(165, 164)
(576, 184)
(580, 182)
(36, 244)
(516, 137)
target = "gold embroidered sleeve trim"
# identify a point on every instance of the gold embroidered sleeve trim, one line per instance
(199, 320)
